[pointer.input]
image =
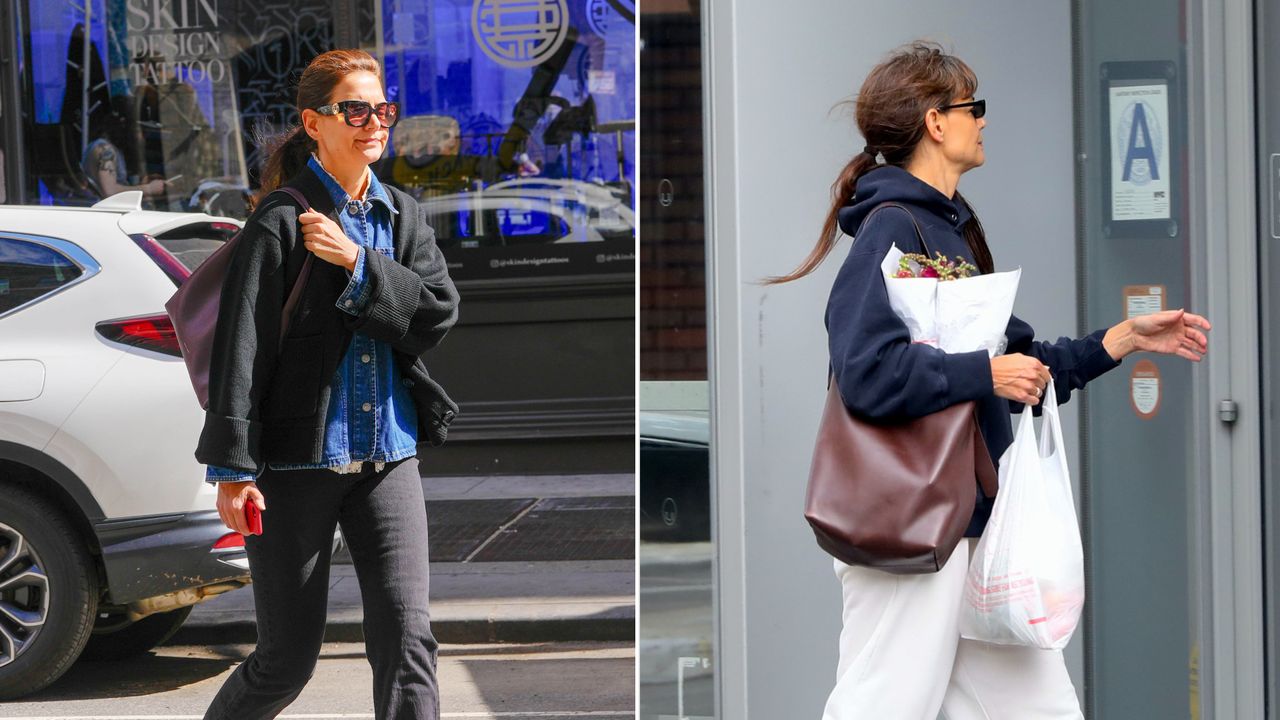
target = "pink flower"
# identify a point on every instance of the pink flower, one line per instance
(928, 272)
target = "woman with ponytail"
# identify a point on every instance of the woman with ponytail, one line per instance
(901, 655)
(321, 422)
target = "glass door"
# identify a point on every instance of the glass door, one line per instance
(677, 652)
(1142, 499)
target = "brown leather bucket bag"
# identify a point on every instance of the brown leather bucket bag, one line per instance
(895, 497)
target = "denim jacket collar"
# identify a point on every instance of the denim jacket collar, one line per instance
(374, 193)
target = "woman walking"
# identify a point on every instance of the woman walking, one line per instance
(321, 425)
(901, 655)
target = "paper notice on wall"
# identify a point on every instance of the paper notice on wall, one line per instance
(1139, 152)
(1143, 300)
(1144, 389)
(602, 82)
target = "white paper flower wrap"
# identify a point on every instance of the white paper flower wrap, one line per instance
(955, 316)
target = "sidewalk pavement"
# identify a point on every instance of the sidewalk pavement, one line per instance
(514, 559)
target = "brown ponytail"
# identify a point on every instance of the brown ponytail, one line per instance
(889, 111)
(976, 237)
(287, 152)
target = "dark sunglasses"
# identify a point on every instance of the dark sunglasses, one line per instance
(358, 112)
(977, 107)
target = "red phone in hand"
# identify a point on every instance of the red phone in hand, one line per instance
(253, 516)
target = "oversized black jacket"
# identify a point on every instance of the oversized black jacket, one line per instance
(881, 374)
(268, 399)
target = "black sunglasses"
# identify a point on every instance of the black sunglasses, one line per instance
(977, 107)
(358, 112)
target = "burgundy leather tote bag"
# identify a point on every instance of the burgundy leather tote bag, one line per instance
(194, 307)
(896, 497)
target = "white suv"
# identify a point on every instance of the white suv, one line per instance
(108, 532)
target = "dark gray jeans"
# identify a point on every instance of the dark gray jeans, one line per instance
(384, 522)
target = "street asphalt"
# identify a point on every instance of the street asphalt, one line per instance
(539, 681)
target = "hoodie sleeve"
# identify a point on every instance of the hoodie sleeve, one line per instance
(881, 374)
(1072, 362)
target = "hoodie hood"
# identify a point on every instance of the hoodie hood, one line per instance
(890, 183)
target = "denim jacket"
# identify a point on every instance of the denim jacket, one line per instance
(370, 417)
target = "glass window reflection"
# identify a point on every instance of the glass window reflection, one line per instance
(517, 130)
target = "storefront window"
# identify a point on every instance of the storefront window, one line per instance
(519, 132)
(517, 129)
(106, 110)
(678, 653)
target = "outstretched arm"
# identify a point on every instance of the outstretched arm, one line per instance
(1172, 332)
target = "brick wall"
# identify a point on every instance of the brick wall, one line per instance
(673, 308)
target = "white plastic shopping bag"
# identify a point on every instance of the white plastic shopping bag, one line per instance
(1026, 579)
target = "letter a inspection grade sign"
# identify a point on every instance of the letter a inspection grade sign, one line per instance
(1140, 116)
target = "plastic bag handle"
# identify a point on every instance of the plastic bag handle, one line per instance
(1051, 434)
(1050, 426)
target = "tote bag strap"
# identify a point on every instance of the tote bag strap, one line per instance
(904, 209)
(858, 233)
(295, 293)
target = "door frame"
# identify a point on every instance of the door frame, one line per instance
(11, 125)
(1222, 177)
(1267, 69)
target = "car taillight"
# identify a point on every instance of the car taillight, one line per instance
(230, 540)
(171, 265)
(149, 332)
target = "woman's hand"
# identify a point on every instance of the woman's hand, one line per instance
(322, 236)
(232, 497)
(1020, 378)
(1172, 332)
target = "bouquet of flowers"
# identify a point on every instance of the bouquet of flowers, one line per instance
(915, 265)
(945, 305)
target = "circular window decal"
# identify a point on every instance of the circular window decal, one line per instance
(520, 33)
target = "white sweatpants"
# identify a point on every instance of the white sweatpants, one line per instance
(902, 657)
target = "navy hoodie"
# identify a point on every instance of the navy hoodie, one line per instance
(881, 374)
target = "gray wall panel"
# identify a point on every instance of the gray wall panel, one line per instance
(791, 63)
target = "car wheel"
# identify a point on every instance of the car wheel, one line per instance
(115, 638)
(48, 593)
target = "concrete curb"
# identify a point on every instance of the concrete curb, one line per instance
(621, 628)
(503, 602)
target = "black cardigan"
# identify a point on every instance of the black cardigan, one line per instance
(268, 399)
